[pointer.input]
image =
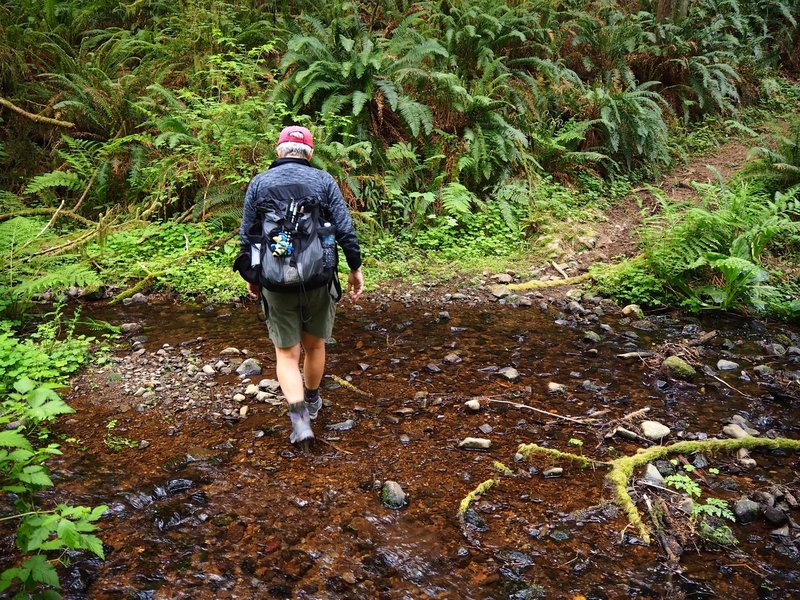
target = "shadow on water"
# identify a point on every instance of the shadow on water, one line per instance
(219, 505)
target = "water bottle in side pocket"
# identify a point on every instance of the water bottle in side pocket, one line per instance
(328, 235)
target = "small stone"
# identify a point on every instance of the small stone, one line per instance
(249, 367)
(727, 365)
(775, 349)
(556, 388)
(627, 433)
(486, 429)
(644, 325)
(444, 315)
(131, 328)
(576, 308)
(208, 370)
(343, 426)
(139, 298)
(678, 367)
(453, 359)
(553, 472)
(251, 390)
(653, 430)
(243, 411)
(473, 405)
(239, 398)
(735, 431)
(433, 368)
(392, 495)
(230, 351)
(503, 278)
(270, 385)
(775, 515)
(348, 578)
(745, 424)
(509, 373)
(472, 443)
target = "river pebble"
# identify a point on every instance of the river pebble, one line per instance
(653, 430)
(249, 367)
(208, 370)
(472, 443)
(727, 365)
(556, 388)
(473, 405)
(745, 510)
(735, 431)
(509, 373)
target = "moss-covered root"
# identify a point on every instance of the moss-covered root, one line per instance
(527, 449)
(622, 468)
(537, 284)
(477, 492)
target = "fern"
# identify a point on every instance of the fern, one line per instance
(54, 179)
(58, 279)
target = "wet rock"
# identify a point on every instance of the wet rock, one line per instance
(743, 456)
(592, 336)
(700, 461)
(473, 405)
(239, 398)
(727, 365)
(775, 349)
(763, 370)
(774, 515)
(343, 426)
(576, 308)
(558, 534)
(553, 472)
(653, 430)
(745, 510)
(626, 433)
(249, 367)
(178, 485)
(745, 424)
(444, 315)
(653, 475)
(230, 351)
(665, 467)
(509, 373)
(392, 495)
(678, 367)
(556, 388)
(433, 368)
(270, 385)
(131, 328)
(475, 521)
(486, 429)
(644, 325)
(591, 386)
(633, 310)
(735, 431)
(139, 298)
(472, 443)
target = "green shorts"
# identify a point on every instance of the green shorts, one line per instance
(290, 314)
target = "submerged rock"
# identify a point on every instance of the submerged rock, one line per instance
(727, 365)
(735, 431)
(746, 510)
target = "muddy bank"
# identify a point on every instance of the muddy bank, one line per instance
(208, 499)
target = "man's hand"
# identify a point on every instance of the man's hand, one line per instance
(253, 289)
(355, 284)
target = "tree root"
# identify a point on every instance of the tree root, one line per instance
(622, 468)
(537, 284)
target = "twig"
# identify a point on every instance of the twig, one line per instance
(702, 339)
(759, 573)
(636, 355)
(559, 269)
(539, 410)
(335, 447)
(38, 118)
(46, 211)
(726, 384)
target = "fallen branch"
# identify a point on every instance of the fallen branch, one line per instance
(46, 211)
(476, 493)
(702, 339)
(335, 447)
(38, 118)
(349, 386)
(558, 268)
(537, 284)
(539, 410)
(639, 355)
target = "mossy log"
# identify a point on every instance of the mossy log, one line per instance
(477, 492)
(538, 284)
(622, 468)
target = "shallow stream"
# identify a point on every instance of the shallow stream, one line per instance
(222, 506)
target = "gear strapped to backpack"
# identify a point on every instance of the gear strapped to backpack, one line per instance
(290, 231)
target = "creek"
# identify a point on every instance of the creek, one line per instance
(215, 503)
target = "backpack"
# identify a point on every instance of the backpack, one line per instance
(292, 232)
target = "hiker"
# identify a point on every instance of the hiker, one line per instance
(300, 316)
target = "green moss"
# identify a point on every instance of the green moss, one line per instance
(679, 367)
(477, 492)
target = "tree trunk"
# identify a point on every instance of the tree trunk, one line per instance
(672, 10)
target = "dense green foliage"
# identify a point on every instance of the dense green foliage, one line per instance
(443, 121)
(30, 371)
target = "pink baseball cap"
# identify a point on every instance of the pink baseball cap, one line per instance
(295, 133)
